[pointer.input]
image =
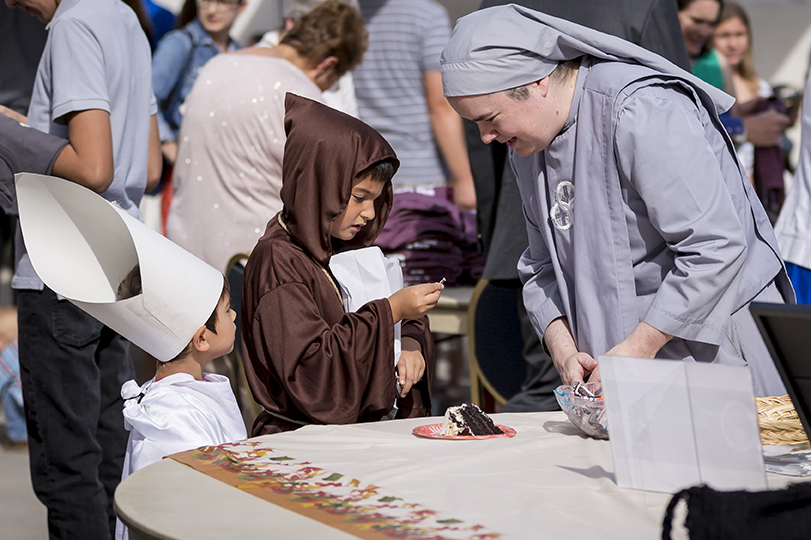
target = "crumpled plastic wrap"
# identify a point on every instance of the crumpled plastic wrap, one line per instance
(584, 406)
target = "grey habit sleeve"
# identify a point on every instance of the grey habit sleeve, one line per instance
(688, 216)
(536, 267)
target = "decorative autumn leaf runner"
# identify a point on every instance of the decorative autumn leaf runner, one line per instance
(364, 510)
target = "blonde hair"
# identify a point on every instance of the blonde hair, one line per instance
(746, 68)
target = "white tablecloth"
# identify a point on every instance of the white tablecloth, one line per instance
(548, 481)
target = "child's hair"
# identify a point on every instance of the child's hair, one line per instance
(211, 323)
(382, 171)
(131, 284)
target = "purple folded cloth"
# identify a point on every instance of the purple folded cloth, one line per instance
(432, 239)
(770, 163)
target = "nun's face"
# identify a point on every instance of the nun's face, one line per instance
(525, 123)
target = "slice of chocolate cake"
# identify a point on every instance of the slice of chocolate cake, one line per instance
(468, 419)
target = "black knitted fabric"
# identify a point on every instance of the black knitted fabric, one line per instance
(743, 515)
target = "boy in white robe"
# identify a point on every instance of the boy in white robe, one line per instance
(169, 303)
(182, 407)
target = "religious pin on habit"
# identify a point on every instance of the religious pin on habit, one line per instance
(562, 212)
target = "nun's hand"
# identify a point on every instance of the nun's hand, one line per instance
(579, 367)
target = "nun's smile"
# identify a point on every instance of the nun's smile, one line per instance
(525, 121)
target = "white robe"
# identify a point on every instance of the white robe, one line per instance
(175, 414)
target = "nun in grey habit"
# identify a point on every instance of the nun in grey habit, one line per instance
(645, 237)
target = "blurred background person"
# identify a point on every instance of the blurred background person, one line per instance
(340, 95)
(766, 163)
(399, 91)
(227, 176)
(698, 19)
(202, 32)
(203, 27)
(163, 22)
(755, 122)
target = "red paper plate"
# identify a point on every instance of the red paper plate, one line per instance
(434, 431)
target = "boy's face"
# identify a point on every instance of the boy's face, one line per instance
(223, 341)
(41, 9)
(360, 209)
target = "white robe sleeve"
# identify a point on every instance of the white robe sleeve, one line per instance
(178, 415)
(663, 154)
(178, 424)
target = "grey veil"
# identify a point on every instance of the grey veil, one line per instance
(504, 47)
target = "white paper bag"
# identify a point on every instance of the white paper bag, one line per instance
(365, 275)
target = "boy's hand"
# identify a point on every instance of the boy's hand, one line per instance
(411, 366)
(415, 301)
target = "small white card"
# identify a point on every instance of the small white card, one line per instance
(676, 424)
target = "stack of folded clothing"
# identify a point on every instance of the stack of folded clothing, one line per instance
(430, 238)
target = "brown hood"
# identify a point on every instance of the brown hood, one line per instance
(325, 150)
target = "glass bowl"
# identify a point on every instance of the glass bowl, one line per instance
(584, 407)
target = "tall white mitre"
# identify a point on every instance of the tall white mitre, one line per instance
(82, 247)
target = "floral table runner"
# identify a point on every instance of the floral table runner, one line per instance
(349, 504)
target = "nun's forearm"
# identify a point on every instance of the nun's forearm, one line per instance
(559, 340)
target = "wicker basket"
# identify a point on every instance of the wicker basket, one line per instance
(778, 420)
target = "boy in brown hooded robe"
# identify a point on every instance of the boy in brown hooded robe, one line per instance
(307, 361)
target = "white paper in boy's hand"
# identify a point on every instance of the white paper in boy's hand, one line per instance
(365, 275)
(676, 424)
